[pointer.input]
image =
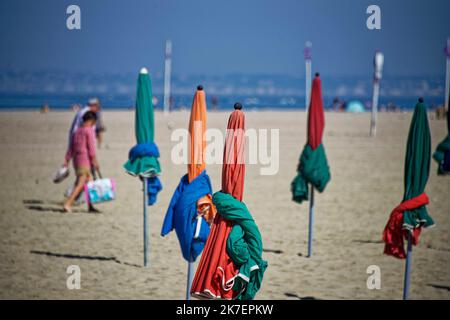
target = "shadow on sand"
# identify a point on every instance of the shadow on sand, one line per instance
(439, 286)
(82, 257)
(293, 295)
(41, 206)
(51, 206)
(276, 251)
(45, 209)
(368, 241)
(32, 201)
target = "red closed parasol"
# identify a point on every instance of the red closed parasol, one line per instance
(216, 271)
(316, 117)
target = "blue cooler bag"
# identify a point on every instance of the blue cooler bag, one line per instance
(100, 190)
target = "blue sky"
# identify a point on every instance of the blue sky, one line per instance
(222, 37)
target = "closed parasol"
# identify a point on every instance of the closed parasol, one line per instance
(408, 218)
(313, 165)
(191, 209)
(231, 266)
(143, 157)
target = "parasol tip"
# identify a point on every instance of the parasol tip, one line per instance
(317, 74)
(200, 87)
(421, 100)
(237, 106)
(143, 71)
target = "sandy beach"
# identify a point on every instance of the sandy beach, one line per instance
(38, 242)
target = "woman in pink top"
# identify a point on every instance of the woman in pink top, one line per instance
(82, 151)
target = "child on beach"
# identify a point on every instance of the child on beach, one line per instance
(82, 151)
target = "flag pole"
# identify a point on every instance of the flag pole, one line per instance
(373, 119)
(167, 75)
(190, 275)
(447, 74)
(145, 223)
(311, 221)
(308, 68)
(378, 65)
(406, 281)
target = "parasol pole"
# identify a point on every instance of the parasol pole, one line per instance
(167, 75)
(407, 268)
(146, 245)
(308, 68)
(190, 272)
(447, 74)
(378, 65)
(190, 275)
(311, 221)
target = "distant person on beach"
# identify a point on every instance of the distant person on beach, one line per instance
(94, 106)
(83, 152)
(99, 129)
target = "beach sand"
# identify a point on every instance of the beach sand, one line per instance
(38, 242)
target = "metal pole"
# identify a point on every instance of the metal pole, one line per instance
(447, 74)
(167, 74)
(311, 221)
(407, 269)
(146, 245)
(308, 71)
(373, 119)
(378, 62)
(190, 275)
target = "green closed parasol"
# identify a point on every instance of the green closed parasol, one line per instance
(143, 157)
(143, 164)
(408, 218)
(417, 167)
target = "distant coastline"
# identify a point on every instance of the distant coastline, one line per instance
(61, 90)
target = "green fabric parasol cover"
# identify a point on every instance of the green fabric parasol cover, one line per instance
(443, 147)
(313, 168)
(417, 167)
(439, 154)
(244, 245)
(144, 129)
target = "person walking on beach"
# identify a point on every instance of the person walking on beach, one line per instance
(83, 152)
(94, 106)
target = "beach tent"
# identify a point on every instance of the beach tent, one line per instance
(143, 157)
(191, 210)
(355, 106)
(313, 165)
(408, 218)
(231, 266)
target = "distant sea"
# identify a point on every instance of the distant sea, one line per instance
(61, 90)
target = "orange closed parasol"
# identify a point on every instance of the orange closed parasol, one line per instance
(216, 271)
(197, 164)
(191, 209)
